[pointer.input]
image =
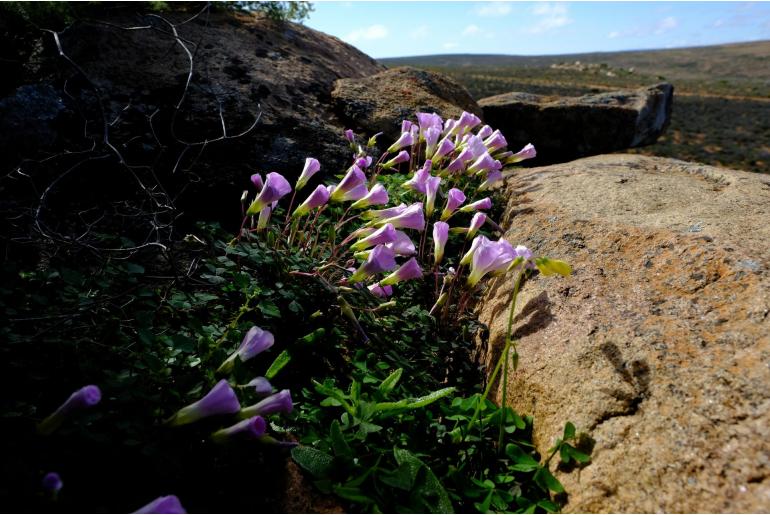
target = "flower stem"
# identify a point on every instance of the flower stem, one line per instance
(504, 357)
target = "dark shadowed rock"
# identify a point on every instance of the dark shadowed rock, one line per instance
(563, 129)
(658, 345)
(379, 102)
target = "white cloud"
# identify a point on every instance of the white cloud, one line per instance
(613, 34)
(718, 23)
(471, 30)
(367, 33)
(551, 16)
(665, 25)
(420, 32)
(494, 9)
(449, 45)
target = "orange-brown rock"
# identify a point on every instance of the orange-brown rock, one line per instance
(658, 345)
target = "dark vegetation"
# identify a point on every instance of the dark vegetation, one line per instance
(721, 112)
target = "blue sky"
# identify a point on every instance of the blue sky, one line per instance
(391, 29)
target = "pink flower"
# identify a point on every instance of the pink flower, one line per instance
(221, 400)
(477, 221)
(405, 140)
(431, 189)
(467, 121)
(349, 188)
(275, 187)
(350, 135)
(490, 257)
(454, 199)
(312, 166)
(385, 234)
(496, 141)
(431, 138)
(485, 162)
(440, 238)
(377, 196)
(381, 214)
(528, 152)
(445, 147)
(479, 205)
(402, 245)
(401, 157)
(410, 218)
(484, 132)
(257, 181)
(420, 177)
(409, 270)
(380, 259)
(363, 162)
(318, 198)
(493, 177)
(427, 121)
(381, 291)
(406, 126)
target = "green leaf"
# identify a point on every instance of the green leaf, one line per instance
(281, 361)
(428, 489)
(569, 431)
(419, 402)
(269, 309)
(575, 454)
(318, 463)
(546, 481)
(352, 494)
(390, 382)
(523, 462)
(339, 445)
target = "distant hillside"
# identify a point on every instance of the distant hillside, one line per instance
(734, 61)
(721, 110)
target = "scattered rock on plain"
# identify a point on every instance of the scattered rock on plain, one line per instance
(566, 128)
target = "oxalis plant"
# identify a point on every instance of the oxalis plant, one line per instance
(412, 215)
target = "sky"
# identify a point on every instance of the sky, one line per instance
(395, 29)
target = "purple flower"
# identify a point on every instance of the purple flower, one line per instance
(419, 179)
(485, 162)
(377, 196)
(467, 121)
(381, 214)
(454, 199)
(440, 237)
(385, 234)
(380, 259)
(528, 152)
(401, 157)
(431, 189)
(409, 270)
(485, 132)
(311, 168)
(84, 398)
(476, 222)
(52, 483)
(221, 400)
(410, 218)
(431, 138)
(428, 121)
(493, 177)
(479, 205)
(262, 386)
(496, 141)
(363, 162)
(405, 140)
(477, 242)
(445, 147)
(476, 146)
(257, 181)
(249, 429)
(350, 184)
(406, 126)
(381, 291)
(318, 198)
(277, 403)
(255, 342)
(350, 135)
(167, 504)
(403, 245)
(490, 256)
(276, 186)
(264, 217)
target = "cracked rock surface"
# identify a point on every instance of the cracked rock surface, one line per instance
(658, 345)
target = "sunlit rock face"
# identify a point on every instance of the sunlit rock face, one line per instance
(658, 345)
